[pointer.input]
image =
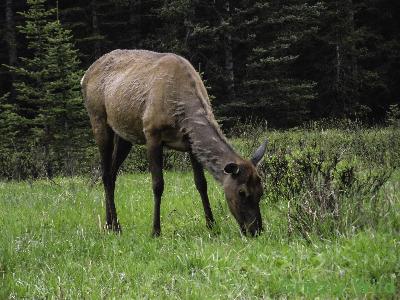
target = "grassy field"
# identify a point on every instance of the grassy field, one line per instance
(52, 246)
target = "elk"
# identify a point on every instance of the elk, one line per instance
(158, 99)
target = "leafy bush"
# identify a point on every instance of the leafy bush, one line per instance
(326, 182)
(324, 195)
(393, 116)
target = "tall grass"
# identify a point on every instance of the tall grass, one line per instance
(331, 214)
(53, 246)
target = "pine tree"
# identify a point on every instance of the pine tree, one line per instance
(19, 117)
(355, 57)
(63, 110)
(337, 60)
(47, 87)
(272, 90)
(206, 33)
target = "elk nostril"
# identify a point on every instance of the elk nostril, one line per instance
(255, 232)
(255, 228)
(243, 229)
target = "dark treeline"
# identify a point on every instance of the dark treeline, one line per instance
(284, 62)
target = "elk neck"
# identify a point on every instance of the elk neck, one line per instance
(208, 143)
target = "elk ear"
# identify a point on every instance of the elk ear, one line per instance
(258, 155)
(231, 168)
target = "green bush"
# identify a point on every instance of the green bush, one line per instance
(324, 195)
(393, 116)
(326, 182)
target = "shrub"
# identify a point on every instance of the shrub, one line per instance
(324, 194)
(393, 116)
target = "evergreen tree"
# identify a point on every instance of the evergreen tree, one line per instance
(63, 110)
(377, 42)
(48, 106)
(272, 90)
(211, 34)
(260, 58)
(20, 117)
(335, 60)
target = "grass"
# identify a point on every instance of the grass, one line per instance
(52, 246)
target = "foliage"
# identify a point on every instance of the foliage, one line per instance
(326, 196)
(326, 182)
(326, 186)
(270, 89)
(393, 116)
(285, 63)
(47, 116)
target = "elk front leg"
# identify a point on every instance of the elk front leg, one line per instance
(201, 185)
(155, 156)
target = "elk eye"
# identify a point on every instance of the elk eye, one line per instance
(242, 193)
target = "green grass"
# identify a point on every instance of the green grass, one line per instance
(52, 246)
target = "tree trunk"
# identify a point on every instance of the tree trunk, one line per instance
(338, 87)
(95, 28)
(353, 58)
(135, 22)
(230, 76)
(229, 67)
(338, 65)
(346, 59)
(11, 42)
(10, 33)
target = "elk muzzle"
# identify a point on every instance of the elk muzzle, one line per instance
(250, 221)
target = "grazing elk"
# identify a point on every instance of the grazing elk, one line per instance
(158, 99)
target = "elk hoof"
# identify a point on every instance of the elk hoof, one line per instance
(214, 230)
(156, 233)
(115, 227)
(210, 224)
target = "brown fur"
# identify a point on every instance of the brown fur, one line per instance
(158, 99)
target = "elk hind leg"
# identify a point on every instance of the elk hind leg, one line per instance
(119, 154)
(104, 137)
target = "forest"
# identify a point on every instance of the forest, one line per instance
(280, 63)
(318, 80)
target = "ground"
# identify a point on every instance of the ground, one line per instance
(53, 246)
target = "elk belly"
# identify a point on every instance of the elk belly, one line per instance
(175, 140)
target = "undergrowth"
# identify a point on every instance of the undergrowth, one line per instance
(53, 246)
(331, 213)
(326, 182)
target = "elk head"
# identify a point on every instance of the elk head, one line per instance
(243, 190)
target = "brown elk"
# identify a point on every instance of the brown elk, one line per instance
(158, 99)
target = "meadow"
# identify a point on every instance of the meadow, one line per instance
(52, 243)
